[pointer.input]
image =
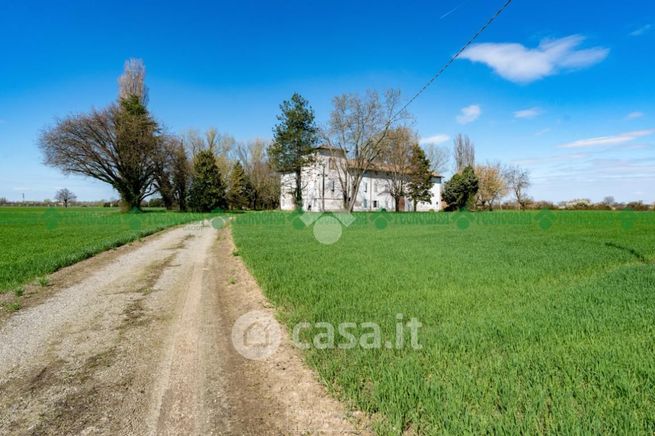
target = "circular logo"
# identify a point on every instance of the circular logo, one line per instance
(545, 223)
(256, 335)
(218, 222)
(463, 223)
(327, 230)
(380, 222)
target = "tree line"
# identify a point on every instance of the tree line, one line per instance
(123, 145)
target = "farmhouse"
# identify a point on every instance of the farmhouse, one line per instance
(322, 188)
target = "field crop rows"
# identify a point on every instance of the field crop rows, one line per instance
(38, 241)
(544, 324)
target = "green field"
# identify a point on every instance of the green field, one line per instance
(38, 241)
(532, 322)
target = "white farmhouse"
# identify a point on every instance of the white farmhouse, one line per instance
(321, 187)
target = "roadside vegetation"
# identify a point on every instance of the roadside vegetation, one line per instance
(533, 322)
(39, 241)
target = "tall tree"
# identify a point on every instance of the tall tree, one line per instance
(464, 152)
(420, 176)
(439, 157)
(357, 131)
(459, 192)
(132, 83)
(294, 141)
(492, 185)
(116, 145)
(238, 189)
(518, 181)
(207, 189)
(65, 196)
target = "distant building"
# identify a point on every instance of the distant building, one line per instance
(321, 190)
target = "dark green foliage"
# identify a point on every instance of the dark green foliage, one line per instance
(238, 194)
(181, 176)
(295, 138)
(459, 192)
(207, 190)
(420, 178)
(137, 144)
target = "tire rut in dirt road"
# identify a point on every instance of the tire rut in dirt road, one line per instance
(142, 345)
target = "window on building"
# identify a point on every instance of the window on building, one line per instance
(365, 186)
(375, 204)
(332, 164)
(332, 186)
(365, 204)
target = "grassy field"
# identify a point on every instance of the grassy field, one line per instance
(532, 323)
(38, 241)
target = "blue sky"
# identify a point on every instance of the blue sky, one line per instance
(565, 89)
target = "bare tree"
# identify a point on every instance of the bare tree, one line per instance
(464, 152)
(492, 185)
(396, 156)
(65, 196)
(264, 180)
(221, 144)
(518, 181)
(132, 81)
(439, 157)
(357, 130)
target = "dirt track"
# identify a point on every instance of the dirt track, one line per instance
(137, 341)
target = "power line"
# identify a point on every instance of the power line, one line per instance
(454, 57)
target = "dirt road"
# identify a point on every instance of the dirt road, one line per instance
(138, 341)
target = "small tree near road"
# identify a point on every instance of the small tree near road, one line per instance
(420, 176)
(207, 190)
(238, 189)
(65, 196)
(180, 175)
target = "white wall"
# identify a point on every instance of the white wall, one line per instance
(373, 191)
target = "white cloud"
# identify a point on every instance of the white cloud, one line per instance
(641, 30)
(634, 115)
(434, 139)
(469, 114)
(518, 63)
(608, 140)
(528, 113)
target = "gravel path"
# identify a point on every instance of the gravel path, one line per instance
(140, 343)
